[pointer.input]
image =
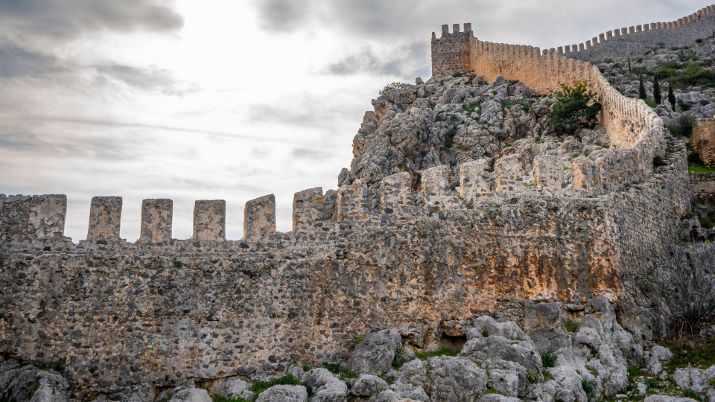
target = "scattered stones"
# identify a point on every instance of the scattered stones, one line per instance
(375, 353)
(284, 393)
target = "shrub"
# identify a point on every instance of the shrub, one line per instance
(260, 386)
(682, 126)
(221, 398)
(548, 359)
(339, 370)
(533, 376)
(395, 86)
(435, 353)
(574, 107)
(658, 161)
(641, 88)
(687, 294)
(589, 388)
(572, 326)
(650, 102)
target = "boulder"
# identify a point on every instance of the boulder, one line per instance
(666, 398)
(325, 385)
(232, 387)
(190, 395)
(374, 355)
(284, 393)
(368, 385)
(657, 356)
(456, 379)
(29, 383)
(690, 378)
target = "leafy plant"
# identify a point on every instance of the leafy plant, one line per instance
(682, 126)
(548, 359)
(260, 386)
(589, 388)
(221, 398)
(574, 107)
(339, 370)
(435, 353)
(533, 376)
(572, 326)
(658, 161)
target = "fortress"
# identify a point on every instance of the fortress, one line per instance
(399, 253)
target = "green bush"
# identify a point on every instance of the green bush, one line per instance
(574, 107)
(221, 398)
(658, 161)
(435, 353)
(339, 370)
(572, 326)
(260, 386)
(682, 126)
(548, 359)
(589, 388)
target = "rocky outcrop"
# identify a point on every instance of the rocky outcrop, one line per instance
(29, 383)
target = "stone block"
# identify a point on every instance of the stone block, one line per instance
(474, 179)
(105, 214)
(396, 193)
(306, 209)
(703, 141)
(156, 221)
(353, 204)
(210, 220)
(585, 175)
(436, 185)
(47, 216)
(259, 219)
(548, 171)
(509, 172)
(15, 218)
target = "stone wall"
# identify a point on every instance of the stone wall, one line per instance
(404, 253)
(638, 39)
(703, 141)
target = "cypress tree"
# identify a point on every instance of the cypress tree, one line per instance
(641, 89)
(629, 66)
(656, 90)
(671, 96)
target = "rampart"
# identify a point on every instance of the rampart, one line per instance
(362, 258)
(638, 39)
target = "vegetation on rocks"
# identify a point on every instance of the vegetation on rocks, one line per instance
(574, 107)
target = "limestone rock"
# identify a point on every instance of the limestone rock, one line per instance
(456, 379)
(190, 395)
(28, 383)
(368, 385)
(666, 398)
(658, 356)
(374, 355)
(231, 387)
(325, 385)
(284, 393)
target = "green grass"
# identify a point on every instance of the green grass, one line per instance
(339, 370)
(435, 353)
(260, 386)
(572, 326)
(589, 388)
(221, 398)
(699, 169)
(701, 356)
(548, 359)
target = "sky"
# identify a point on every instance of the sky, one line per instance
(226, 99)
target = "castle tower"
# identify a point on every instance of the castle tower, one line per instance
(451, 53)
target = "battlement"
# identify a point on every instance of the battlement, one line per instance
(638, 38)
(451, 51)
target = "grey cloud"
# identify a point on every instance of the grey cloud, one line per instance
(283, 15)
(16, 61)
(403, 61)
(62, 20)
(38, 143)
(310, 154)
(141, 78)
(307, 112)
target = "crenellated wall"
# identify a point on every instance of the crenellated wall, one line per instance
(638, 39)
(409, 252)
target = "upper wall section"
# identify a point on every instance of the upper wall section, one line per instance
(635, 131)
(638, 39)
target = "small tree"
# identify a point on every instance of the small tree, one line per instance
(671, 96)
(629, 66)
(574, 107)
(641, 88)
(656, 90)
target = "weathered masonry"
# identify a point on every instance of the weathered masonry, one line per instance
(366, 256)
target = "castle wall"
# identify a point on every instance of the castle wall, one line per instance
(131, 313)
(638, 39)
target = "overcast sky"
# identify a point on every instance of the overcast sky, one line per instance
(227, 99)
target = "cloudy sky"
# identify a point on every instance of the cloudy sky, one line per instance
(227, 99)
